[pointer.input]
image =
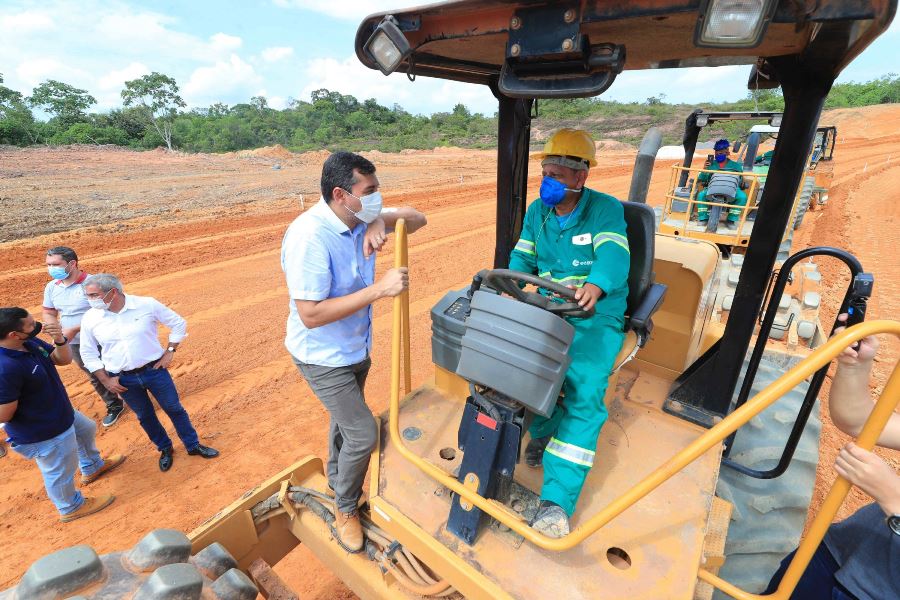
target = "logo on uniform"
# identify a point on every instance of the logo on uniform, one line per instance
(581, 263)
(581, 240)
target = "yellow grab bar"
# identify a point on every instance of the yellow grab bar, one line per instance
(805, 368)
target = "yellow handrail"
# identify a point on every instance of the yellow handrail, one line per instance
(805, 368)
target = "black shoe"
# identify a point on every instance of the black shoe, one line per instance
(534, 451)
(731, 224)
(204, 451)
(113, 415)
(165, 460)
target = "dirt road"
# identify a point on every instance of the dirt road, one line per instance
(202, 234)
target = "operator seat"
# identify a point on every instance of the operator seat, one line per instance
(644, 295)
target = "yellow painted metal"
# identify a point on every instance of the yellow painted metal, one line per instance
(704, 442)
(882, 411)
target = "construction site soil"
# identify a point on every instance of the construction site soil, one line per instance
(202, 234)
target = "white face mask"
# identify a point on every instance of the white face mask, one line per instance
(371, 207)
(99, 302)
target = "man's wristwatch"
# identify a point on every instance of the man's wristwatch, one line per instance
(63, 343)
(893, 522)
(170, 349)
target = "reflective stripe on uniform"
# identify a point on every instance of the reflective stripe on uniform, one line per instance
(577, 280)
(525, 246)
(609, 236)
(573, 454)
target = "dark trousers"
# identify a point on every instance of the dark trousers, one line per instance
(818, 581)
(110, 399)
(352, 434)
(159, 383)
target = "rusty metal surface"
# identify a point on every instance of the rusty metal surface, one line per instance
(662, 535)
(270, 584)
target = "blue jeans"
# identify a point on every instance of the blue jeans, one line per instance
(56, 459)
(817, 582)
(159, 383)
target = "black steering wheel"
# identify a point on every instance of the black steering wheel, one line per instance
(507, 281)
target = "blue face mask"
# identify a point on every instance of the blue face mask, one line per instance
(553, 192)
(58, 272)
(721, 157)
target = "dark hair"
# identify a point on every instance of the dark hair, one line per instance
(338, 171)
(64, 252)
(11, 320)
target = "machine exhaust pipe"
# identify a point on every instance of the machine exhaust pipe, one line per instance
(643, 166)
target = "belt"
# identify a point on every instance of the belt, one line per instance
(141, 368)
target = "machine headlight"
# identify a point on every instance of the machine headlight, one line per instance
(732, 23)
(387, 45)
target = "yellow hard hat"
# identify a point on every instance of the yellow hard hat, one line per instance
(575, 143)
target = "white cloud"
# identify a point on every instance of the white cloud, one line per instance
(347, 9)
(277, 53)
(116, 79)
(224, 42)
(26, 22)
(221, 80)
(34, 71)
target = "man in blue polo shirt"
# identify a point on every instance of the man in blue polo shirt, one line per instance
(39, 418)
(328, 256)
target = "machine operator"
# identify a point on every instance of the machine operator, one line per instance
(722, 162)
(575, 236)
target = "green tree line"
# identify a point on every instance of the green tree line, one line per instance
(153, 114)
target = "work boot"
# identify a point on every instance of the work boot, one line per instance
(109, 463)
(349, 530)
(113, 415)
(731, 224)
(534, 451)
(551, 520)
(90, 506)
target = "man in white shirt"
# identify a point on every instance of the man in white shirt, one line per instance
(328, 257)
(64, 303)
(131, 362)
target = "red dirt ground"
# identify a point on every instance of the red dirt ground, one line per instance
(202, 234)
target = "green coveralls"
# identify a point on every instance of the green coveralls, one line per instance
(740, 198)
(592, 248)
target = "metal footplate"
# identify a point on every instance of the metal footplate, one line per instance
(159, 567)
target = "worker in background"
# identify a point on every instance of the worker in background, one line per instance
(859, 558)
(39, 418)
(721, 162)
(64, 302)
(328, 258)
(131, 362)
(575, 236)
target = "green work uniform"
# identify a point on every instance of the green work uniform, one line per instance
(740, 197)
(593, 248)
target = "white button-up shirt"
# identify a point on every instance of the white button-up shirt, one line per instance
(322, 258)
(129, 338)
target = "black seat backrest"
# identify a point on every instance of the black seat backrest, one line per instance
(640, 222)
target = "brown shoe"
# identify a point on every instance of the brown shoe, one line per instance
(90, 506)
(109, 463)
(349, 530)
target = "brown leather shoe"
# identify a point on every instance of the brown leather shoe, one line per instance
(90, 506)
(109, 463)
(349, 530)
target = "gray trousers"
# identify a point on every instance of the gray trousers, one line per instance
(352, 434)
(111, 400)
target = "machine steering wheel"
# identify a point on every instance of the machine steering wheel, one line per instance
(507, 281)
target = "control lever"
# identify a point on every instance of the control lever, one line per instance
(859, 298)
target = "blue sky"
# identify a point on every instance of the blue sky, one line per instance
(281, 49)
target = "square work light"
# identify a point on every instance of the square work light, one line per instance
(387, 45)
(732, 23)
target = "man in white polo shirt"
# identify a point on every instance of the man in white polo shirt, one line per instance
(328, 256)
(64, 302)
(125, 328)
